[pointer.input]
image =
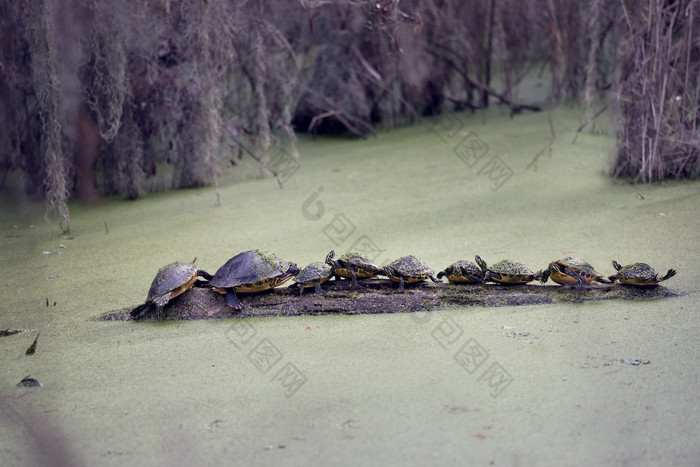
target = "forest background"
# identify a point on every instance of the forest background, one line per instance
(120, 98)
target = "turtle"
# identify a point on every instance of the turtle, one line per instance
(170, 281)
(406, 270)
(352, 265)
(572, 271)
(314, 275)
(249, 272)
(507, 272)
(463, 272)
(639, 274)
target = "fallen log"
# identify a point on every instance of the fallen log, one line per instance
(380, 296)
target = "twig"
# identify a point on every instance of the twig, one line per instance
(549, 145)
(344, 118)
(515, 108)
(252, 154)
(579, 129)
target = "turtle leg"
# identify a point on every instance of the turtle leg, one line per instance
(433, 279)
(669, 274)
(232, 300)
(400, 289)
(163, 299)
(354, 278)
(319, 290)
(140, 309)
(580, 281)
(301, 290)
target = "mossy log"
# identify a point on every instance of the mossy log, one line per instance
(380, 296)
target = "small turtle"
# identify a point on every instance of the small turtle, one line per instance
(314, 275)
(352, 265)
(507, 272)
(639, 274)
(249, 272)
(170, 281)
(463, 272)
(572, 271)
(407, 270)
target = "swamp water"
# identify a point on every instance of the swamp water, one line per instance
(603, 382)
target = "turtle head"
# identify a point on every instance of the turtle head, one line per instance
(330, 261)
(482, 264)
(293, 269)
(616, 265)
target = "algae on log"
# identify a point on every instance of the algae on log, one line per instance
(379, 296)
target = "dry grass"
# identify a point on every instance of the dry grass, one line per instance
(657, 91)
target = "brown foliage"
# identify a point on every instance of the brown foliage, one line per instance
(658, 91)
(153, 95)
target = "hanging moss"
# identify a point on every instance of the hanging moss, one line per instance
(40, 36)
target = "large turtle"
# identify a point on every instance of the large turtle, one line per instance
(170, 281)
(314, 275)
(352, 265)
(572, 271)
(507, 272)
(407, 270)
(249, 272)
(463, 272)
(639, 274)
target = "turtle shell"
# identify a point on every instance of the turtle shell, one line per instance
(314, 273)
(639, 274)
(363, 267)
(463, 272)
(568, 271)
(171, 281)
(410, 269)
(507, 272)
(253, 271)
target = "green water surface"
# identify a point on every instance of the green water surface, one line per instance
(597, 383)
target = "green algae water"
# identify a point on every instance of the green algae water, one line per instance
(599, 383)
